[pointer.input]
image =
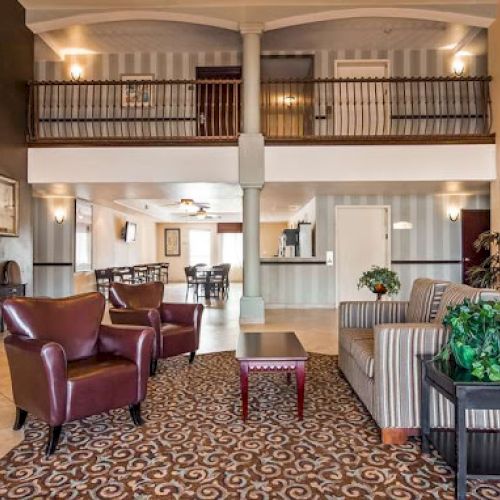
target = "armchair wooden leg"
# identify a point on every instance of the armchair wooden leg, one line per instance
(20, 418)
(153, 367)
(191, 357)
(397, 436)
(135, 413)
(54, 435)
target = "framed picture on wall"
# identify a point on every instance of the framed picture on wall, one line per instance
(136, 91)
(172, 242)
(9, 207)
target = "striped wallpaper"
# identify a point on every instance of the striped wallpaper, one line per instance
(433, 237)
(182, 65)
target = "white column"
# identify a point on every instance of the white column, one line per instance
(251, 168)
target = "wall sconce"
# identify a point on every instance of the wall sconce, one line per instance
(458, 66)
(76, 72)
(289, 100)
(453, 214)
(402, 225)
(59, 216)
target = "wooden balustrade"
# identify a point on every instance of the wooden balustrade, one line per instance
(201, 111)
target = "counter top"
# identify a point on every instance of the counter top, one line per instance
(292, 260)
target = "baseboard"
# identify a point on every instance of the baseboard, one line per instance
(300, 306)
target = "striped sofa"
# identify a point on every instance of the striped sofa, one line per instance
(378, 347)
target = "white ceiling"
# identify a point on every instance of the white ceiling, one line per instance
(165, 36)
(278, 201)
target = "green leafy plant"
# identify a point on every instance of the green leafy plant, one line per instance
(380, 280)
(474, 341)
(487, 274)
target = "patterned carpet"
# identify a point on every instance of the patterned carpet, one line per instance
(194, 445)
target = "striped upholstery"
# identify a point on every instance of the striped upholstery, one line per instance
(387, 362)
(424, 300)
(369, 314)
(453, 295)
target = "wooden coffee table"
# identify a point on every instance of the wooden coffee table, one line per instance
(271, 352)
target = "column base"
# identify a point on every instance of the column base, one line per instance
(252, 310)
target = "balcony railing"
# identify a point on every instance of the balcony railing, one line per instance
(375, 109)
(201, 111)
(134, 111)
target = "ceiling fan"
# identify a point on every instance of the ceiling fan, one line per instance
(202, 214)
(188, 205)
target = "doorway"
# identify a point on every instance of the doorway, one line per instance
(364, 106)
(474, 222)
(363, 240)
(218, 105)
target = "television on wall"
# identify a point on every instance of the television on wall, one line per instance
(130, 232)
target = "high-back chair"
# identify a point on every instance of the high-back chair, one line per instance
(177, 326)
(66, 366)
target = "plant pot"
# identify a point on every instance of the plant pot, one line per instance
(464, 355)
(380, 290)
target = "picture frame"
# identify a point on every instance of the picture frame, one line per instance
(9, 207)
(172, 242)
(136, 94)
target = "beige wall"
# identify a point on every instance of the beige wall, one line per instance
(494, 71)
(269, 236)
(108, 247)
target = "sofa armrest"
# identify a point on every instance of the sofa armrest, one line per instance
(397, 370)
(39, 377)
(368, 314)
(133, 343)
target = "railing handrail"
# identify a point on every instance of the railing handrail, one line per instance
(131, 82)
(398, 79)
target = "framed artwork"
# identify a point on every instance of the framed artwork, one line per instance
(137, 94)
(172, 242)
(9, 207)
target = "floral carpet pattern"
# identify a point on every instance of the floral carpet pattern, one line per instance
(194, 445)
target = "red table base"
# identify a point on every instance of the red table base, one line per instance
(299, 367)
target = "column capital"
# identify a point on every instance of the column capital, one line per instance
(251, 28)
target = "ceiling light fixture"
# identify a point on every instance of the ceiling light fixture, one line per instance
(201, 214)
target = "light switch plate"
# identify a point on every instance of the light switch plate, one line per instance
(329, 257)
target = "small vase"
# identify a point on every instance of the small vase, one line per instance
(380, 290)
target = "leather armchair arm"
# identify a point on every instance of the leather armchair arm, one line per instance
(368, 314)
(133, 343)
(183, 314)
(141, 317)
(39, 377)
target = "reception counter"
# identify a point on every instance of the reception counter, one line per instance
(297, 282)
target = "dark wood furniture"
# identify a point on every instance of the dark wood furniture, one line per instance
(271, 352)
(473, 454)
(7, 291)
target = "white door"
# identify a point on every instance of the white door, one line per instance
(364, 107)
(362, 241)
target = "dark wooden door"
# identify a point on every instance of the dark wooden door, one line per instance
(218, 104)
(474, 222)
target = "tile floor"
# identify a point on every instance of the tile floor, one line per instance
(316, 329)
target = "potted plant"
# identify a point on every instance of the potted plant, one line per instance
(474, 341)
(381, 281)
(487, 274)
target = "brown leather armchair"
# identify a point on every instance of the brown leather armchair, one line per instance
(177, 326)
(66, 366)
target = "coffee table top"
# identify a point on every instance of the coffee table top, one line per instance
(272, 346)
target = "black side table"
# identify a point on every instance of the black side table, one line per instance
(7, 291)
(472, 454)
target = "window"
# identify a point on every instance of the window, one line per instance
(200, 245)
(232, 249)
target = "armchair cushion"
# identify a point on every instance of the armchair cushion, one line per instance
(424, 301)
(72, 322)
(453, 295)
(347, 336)
(100, 383)
(362, 351)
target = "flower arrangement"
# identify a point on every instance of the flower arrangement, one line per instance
(474, 341)
(380, 280)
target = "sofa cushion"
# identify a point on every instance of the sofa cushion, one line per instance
(362, 351)
(453, 295)
(349, 335)
(425, 299)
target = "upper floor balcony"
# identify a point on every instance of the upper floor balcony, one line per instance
(331, 111)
